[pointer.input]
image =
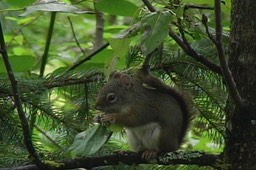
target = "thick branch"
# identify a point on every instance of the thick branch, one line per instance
(130, 158)
(24, 123)
(192, 6)
(227, 75)
(191, 52)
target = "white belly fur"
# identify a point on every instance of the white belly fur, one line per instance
(144, 137)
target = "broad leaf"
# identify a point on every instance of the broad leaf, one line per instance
(156, 27)
(52, 6)
(89, 141)
(121, 48)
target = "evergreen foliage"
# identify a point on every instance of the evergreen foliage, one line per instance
(60, 104)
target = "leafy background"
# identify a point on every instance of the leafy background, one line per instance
(59, 102)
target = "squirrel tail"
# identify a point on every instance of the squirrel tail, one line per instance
(183, 99)
(185, 103)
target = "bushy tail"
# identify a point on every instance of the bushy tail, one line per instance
(183, 99)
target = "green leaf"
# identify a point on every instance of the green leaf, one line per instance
(114, 7)
(89, 141)
(121, 48)
(156, 27)
(103, 57)
(52, 6)
(19, 63)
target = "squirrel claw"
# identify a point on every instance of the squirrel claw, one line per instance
(107, 118)
(149, 154)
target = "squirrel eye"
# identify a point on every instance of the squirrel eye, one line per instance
(111, 97)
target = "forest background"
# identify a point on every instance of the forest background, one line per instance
(62, 52)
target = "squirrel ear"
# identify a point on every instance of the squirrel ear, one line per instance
(126, 81)
(116, 75)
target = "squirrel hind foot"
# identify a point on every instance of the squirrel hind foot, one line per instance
(149, 154)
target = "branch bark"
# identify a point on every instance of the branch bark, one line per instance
(191, 52)
(150, 7)
(227, 75)
(131, 158)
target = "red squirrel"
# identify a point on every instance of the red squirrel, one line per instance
(155, 116)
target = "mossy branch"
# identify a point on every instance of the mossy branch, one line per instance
(131, 158)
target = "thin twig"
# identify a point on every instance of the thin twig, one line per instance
(52, 115)
(150, 7)
(181, 30)
(74, 35)
(48, 137)
(48, 43)
(63, 81)
(75, 65)
(205, 21)
(227, 75)
(24, 123)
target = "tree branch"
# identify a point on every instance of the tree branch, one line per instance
(186, 46)
(150, 7)
(192, 6)
(131, 158)
(227, 75)
(48, 43)
(24, 123)
(68, 81)
(205, 21)
(191, 52)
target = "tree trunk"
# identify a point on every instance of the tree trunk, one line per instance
(240, 150)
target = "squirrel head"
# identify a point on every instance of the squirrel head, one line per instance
(116, 94)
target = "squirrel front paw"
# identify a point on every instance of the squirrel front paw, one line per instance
(108, 118)
(105, 118)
